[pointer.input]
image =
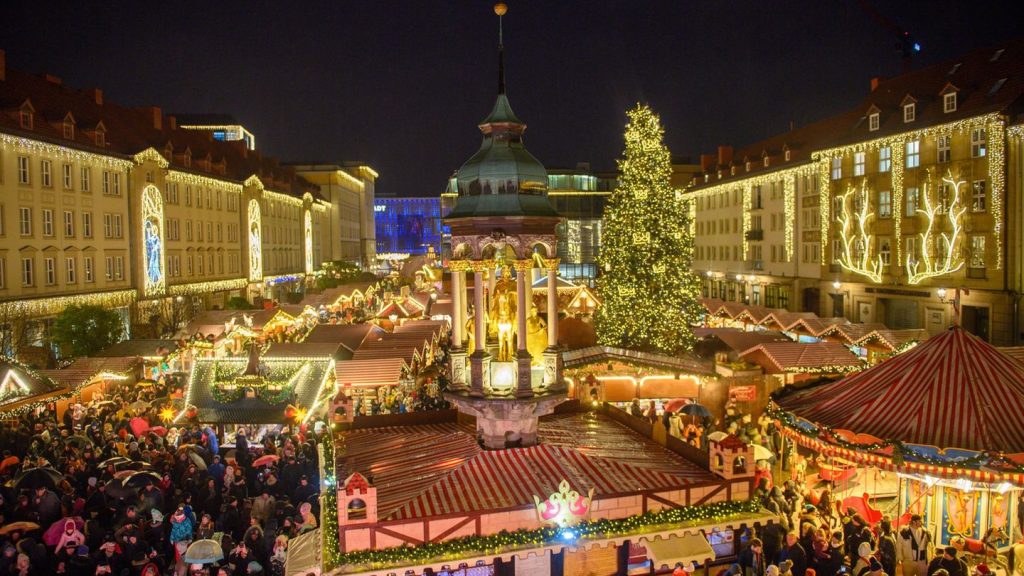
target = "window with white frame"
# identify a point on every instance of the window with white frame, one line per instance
(86, 224)
(978, 148)
(27, 272)
(68, 182)
(117, 226)
(884, 159)
(978, 196)
(108, 225)
(977, 252)
(25, 221)
(47, 222)
(108, 267)
(858, 163)
(942, 145)
(85, 175)
(188, 264)
(118, 267)
(24, 172)
(87, 269)
(910, 249)
(913, 154)
(46, 173)
(50, 267)
(69, 224)
(106, 182)
(885, 204)
(885, 252)
(117, 183)
(837, 168)
(3, 272)
(69, 271)
(909, 112)
(949, 102)
(873, 121)
(912, 198)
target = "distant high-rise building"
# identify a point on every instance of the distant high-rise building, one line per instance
(408, 225)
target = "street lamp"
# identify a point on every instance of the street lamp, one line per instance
(708, 273)
(837, 285)
(941, 293)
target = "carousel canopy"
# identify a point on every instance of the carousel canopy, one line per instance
(952, 391)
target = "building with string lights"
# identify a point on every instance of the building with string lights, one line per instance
(902, 211)
(123, 208)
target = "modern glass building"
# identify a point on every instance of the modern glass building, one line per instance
(408, 225)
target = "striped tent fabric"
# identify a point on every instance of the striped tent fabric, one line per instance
(952, 391)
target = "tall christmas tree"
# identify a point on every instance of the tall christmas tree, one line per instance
(648, 293)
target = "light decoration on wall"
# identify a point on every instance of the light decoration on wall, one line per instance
(996, 153)
(307, 231)
(566, 507)
(789, 211)
(37, 307)
(30, 147)
(255, 242)
(947, 258)
(154, 281)
(151, 155)
(198, 180)
(282, 278)
(206, 287)
(856, 242)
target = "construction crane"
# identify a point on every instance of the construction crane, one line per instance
(905, 43)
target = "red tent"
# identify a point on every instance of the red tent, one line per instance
(952, 391)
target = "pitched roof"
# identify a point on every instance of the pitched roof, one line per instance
(333, 350)
(20, 385)
(351, 336)
(85, 370)
(952, 391)
(780, 357)
(740, 340)
(370, 373)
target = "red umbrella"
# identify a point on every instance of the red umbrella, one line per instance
(9, 462)
(52, 535)
(139, 426)
(265, 460)
(675, 405)
(159, 431)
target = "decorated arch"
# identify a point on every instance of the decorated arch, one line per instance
(153, 241)
(255, 242)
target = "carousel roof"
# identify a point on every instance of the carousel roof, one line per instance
(952, 391)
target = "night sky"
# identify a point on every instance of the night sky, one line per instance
(402, 85)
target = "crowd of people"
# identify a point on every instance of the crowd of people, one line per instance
(110, 488)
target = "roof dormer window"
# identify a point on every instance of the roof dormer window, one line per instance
(748, 166)
(26, 116)
(949, 102)
(909, 112)
(766, 161)
(187, 161)
(68, 128)
(100, 135)
(873, 122)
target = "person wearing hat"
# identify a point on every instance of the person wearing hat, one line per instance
(795, 553)
(913, 547)
(949, 562)
(81, 563)
(887, 546)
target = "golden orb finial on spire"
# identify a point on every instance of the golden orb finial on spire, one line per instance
(500, 8)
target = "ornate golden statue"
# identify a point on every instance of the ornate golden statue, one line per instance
(502, 317)
(536, 336)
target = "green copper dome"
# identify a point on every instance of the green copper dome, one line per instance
(502, 178)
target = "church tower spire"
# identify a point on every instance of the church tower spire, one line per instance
(500, 9)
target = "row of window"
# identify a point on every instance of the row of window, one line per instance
(210, 198)
(912, 158)
(173, 231)
(912, 249)
(111, 181)
(112, 223)
(775, 295)
(198, 265)
(114, 270)
(912, 201)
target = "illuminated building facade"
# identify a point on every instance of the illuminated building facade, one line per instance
(349, 192)
(122, 208)
(886, 213)
(222, 127)
(409, 225)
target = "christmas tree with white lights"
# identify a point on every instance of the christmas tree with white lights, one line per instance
(648, 293)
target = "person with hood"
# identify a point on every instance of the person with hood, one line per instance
(828, 561)
(862, 564)
(71, 535)
(182, 524)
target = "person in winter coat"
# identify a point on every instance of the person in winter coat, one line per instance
(862, 565)
(752, 559)
(71, 535)
(949, 562)
(794, 553)
(913, 547)
(887, 547)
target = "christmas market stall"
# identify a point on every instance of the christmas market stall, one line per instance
(22, 388)
(89, 379)
(264, 392)
(946, 417)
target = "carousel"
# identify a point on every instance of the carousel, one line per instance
(936, 431)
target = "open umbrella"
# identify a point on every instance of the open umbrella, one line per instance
(159, 431)
(139, 426)
(197, 460)
(42, 477)
(265, 460)
(116, 461)
(144, 384)
(141, 479)
(204, 552)
(762, 453)
(717, 436)
(18, 527)
(52, 535)
(9, 462)
(696, 410)
(79, 441)
(675, 405)
(117, 489)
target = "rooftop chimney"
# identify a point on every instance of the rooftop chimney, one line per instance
(97, 95)
(52, 79)
(724, 155)
(3, 65)
(157, 117)
(707, 162)
(875, 82)
(172, 123)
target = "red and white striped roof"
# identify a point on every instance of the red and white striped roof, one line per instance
(778, 357)
(952, 391)
(422, 471)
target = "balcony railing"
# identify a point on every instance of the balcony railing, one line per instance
(755, 264)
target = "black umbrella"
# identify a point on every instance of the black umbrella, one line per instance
(117, 489)
(115, 461)
(140, 480)
(42, 477)
(694, 409)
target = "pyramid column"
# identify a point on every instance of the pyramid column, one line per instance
(524, 386)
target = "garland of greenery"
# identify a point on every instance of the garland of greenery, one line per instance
(331, 544)
(494, 543)
(900, 452)
(227, 396)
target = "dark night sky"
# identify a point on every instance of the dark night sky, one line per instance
(402, 85)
